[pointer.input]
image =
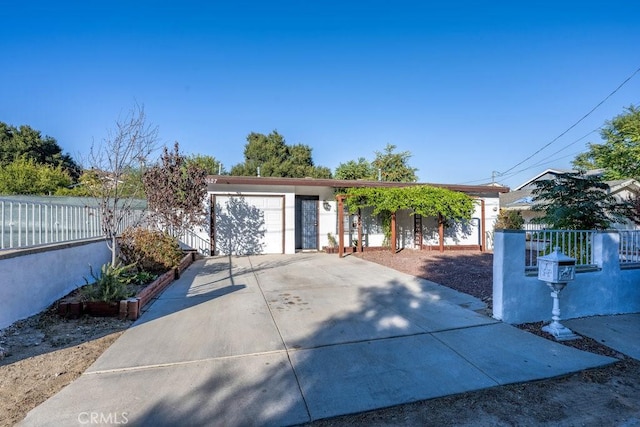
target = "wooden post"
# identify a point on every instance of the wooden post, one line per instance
(441, 231)
(393, 232)
(483, 234)
(359, 230)
(340, 226)
(212, 225)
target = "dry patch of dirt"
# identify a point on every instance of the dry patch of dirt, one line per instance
(44, 353)
(470, 272)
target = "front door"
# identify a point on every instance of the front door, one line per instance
(307, 222)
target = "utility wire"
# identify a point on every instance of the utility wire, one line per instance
(544, 160)
(539, 163)
(506, 174)
(576, 123)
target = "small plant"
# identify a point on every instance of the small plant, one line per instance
(332, 240)
(140, 278)
(109, 285)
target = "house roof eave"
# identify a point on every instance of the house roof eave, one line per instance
(217, 180)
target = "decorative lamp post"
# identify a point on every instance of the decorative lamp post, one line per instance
(556, 270)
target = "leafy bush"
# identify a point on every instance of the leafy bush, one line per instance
(109, 285)
(509, 220)
(150, 250)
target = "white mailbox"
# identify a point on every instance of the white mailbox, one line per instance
(556, 267)
(556, 270)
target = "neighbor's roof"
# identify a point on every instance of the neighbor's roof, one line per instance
(523, 199)
(552, 173)
(217, 180)
(517, 200)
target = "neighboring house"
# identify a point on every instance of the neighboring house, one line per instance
(286, 215)
(522, 199)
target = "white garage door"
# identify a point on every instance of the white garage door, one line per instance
(248, 225)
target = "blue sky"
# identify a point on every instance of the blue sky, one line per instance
(468, 87)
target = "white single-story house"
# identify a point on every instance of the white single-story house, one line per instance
(522, 199)
(268, 215)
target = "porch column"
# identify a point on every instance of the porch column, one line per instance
(393, 232)
(483, 234)
(340, 226)
(441, 232)
(359, 230)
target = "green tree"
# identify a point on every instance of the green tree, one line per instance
(576, 201)
(274, 157)
(85, 187)
(393, 166)
(619, 154)
(25, 176)
(176, 190)
(29, 144)
(360, 169)
(209, 163)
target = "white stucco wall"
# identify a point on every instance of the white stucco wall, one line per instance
(327, 221)
(518, 298)
(33, 279)
(491, 211)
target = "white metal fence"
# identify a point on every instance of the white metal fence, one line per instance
(629, 247)
(194, 241)
(30, 223)
(577, 244)
(530, 226)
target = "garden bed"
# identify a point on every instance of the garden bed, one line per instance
(131, 308)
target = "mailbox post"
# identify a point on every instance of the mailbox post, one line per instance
(556, 270)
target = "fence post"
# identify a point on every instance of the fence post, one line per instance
(605, 251)
(508, 267)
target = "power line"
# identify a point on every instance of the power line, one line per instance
(495, 174)
(576, 123)
(541, 162)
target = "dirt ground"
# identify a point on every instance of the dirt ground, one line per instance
(42, 354)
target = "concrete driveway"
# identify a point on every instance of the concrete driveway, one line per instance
(282, 340)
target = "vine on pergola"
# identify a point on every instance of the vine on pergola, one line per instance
(446, 205)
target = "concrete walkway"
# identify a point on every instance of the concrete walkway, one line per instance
(621, 332)
(282, 340)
